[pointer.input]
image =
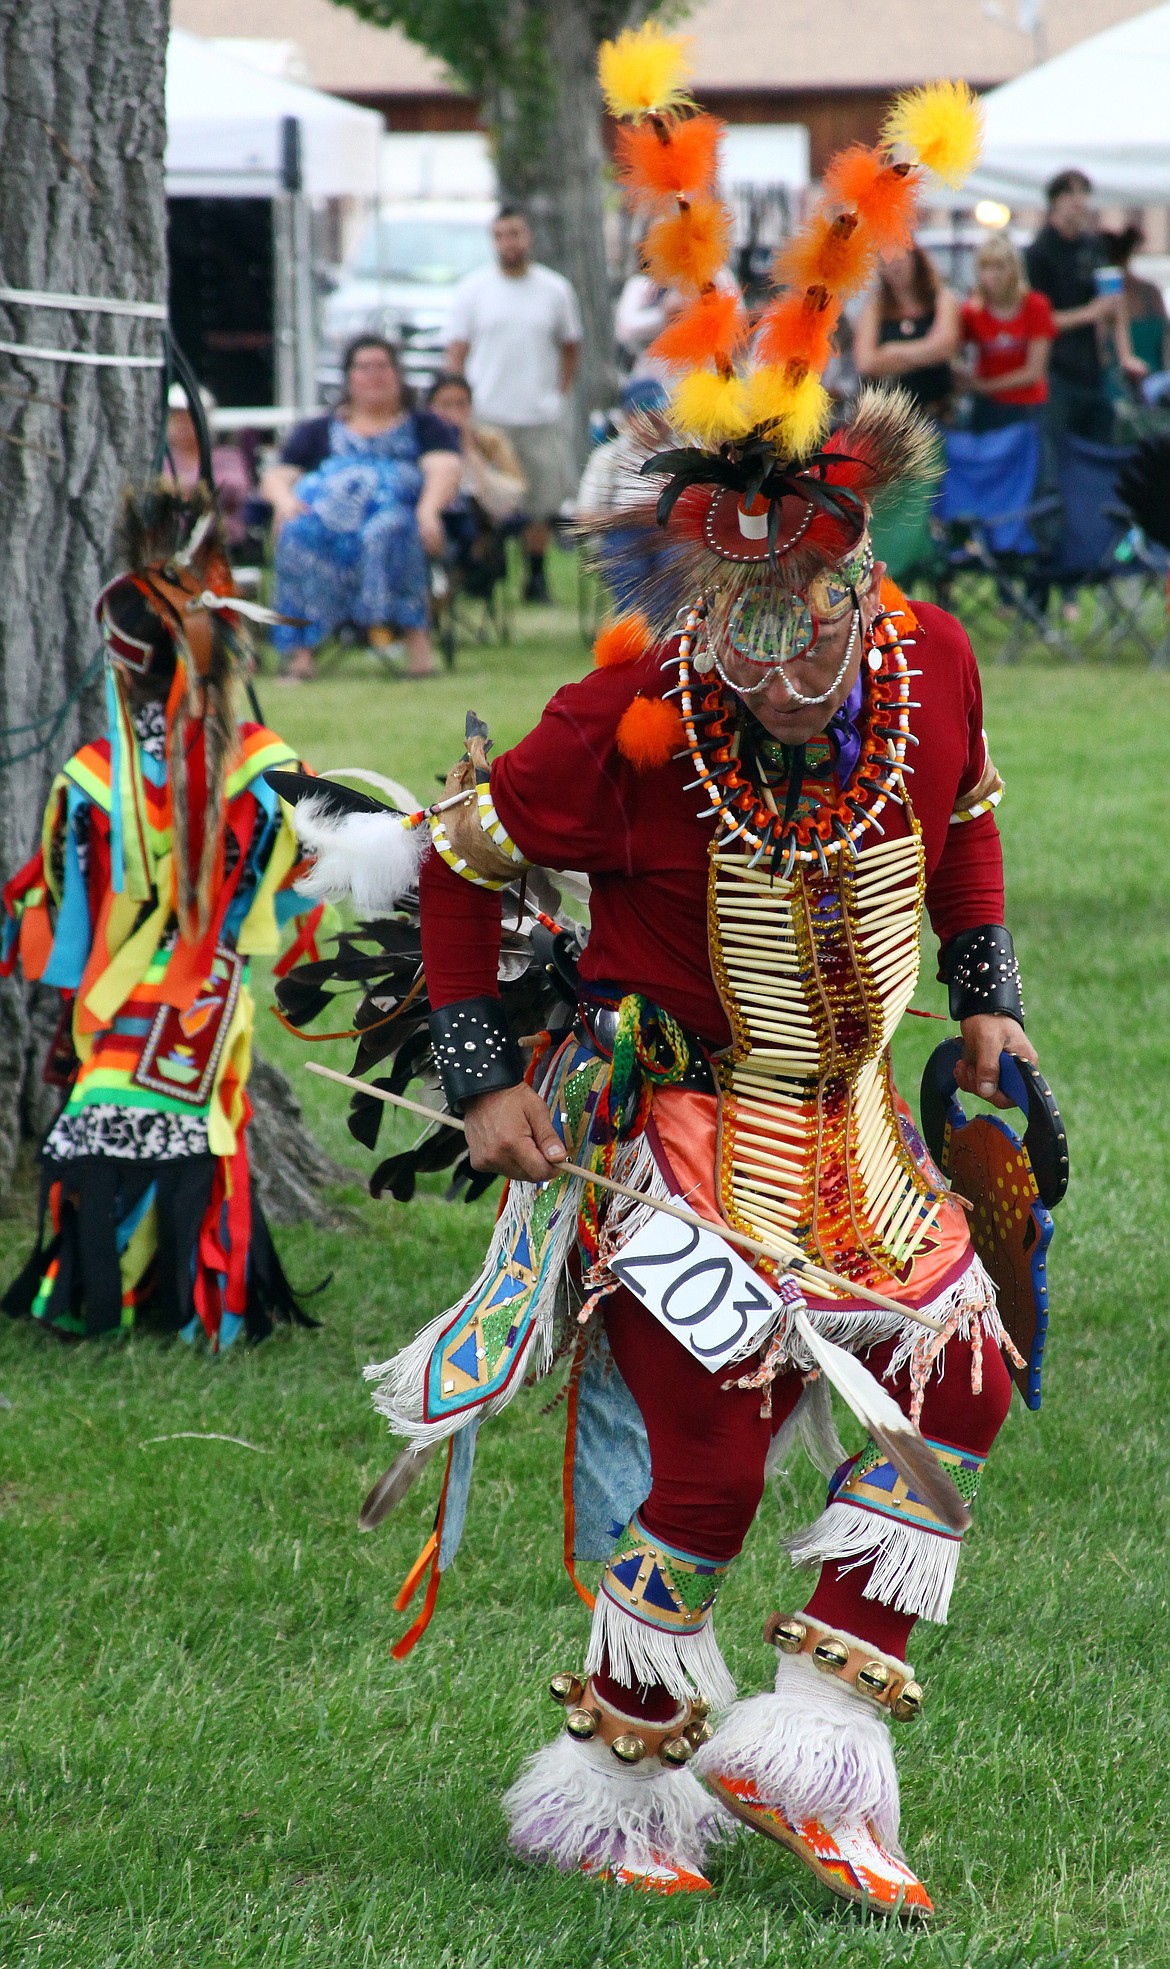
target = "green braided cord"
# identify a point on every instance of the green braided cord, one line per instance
(644, 1032)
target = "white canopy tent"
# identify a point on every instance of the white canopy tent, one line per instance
(1103, 106)
(226, 126)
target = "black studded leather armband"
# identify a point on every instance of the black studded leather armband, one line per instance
(982, 974)
(474, 1050)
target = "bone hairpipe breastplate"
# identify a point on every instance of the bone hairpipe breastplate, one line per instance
(815, 974)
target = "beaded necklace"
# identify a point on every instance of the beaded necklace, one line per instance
(746, 810)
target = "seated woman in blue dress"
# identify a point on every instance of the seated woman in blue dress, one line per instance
(357, 500)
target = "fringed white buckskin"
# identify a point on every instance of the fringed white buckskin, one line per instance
(573, 1804)
(372, 858)
(970, 1296)
(814, 1748)
(913, 1569)
(636, 1654)
(402, 1380)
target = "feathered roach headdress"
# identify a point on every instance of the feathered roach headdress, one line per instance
(174, 631)
(742, 481)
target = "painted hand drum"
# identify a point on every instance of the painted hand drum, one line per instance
(1012, 1184)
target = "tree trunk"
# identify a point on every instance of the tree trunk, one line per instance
(289, 1171)
(551, 158)
(82, 134)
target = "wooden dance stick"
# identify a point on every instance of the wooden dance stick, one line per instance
(790, 1256)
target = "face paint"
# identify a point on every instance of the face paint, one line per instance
(830, 594)
(772, 628)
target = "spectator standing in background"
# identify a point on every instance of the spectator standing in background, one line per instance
(1063, 263)
(1145, 309)
(908, 331)
(1011, 330)
(516, 334)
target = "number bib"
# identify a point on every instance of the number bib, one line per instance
(700, 1289)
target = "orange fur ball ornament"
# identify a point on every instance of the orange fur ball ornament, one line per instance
(649, 733)
(799, 328)
(881, 193)
(622, 641)
(833, 252)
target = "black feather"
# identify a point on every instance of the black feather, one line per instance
(336, 799)
(1143, 485)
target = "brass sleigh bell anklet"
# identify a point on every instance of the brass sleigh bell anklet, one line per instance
(591, 1720)
(886, 1682)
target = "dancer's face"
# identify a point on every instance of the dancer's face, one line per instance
(776, 708)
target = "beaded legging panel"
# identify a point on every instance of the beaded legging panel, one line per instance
(708, 1447)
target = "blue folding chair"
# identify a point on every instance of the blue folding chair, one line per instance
(1103, 553)
(995, 522)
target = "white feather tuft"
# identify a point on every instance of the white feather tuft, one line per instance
(372, 858)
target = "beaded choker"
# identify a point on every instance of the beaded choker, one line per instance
(745, 809)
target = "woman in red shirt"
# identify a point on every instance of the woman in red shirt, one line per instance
(1011, 329)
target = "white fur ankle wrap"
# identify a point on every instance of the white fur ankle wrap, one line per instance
(574, 1804)
(815, 1748)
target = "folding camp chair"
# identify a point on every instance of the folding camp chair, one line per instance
(1119, 575)
(470, 590)
(994, 522)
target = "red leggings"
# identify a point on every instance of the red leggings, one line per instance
(708, 1446)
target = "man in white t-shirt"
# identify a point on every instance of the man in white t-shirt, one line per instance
(516, 334)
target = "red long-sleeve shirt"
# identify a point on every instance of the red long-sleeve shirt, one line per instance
(570, 800)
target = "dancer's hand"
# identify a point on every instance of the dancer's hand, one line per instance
(985, 1036)
(510, 1132)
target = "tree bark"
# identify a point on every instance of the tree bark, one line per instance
(551, 158)
(82, 136)
(289, 1171)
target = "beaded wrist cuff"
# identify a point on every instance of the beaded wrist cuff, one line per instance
(982, 974)
(887, 1682)
(474, 1050)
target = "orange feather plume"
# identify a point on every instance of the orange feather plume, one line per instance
(710, 330)
(649, 732)
(681, 162)
(622, 641)
(687, 248)
(895, 603)
(799, 328)
(830, 251)
(882, 194)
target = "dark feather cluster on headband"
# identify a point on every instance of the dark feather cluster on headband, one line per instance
(652, 544)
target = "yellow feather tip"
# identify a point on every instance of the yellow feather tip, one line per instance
(942, 124)
(709, 407)
(644, 71)
(795, 412)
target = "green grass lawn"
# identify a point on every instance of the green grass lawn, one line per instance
(207, 1755)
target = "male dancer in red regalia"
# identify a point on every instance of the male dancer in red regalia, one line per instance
(772, 769)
